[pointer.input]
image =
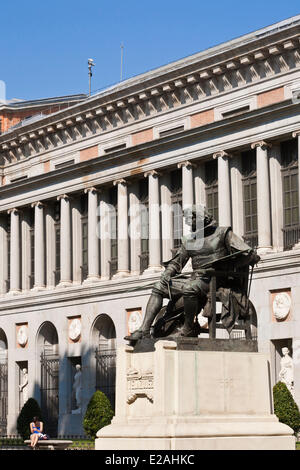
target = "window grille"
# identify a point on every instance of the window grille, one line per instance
(84, 235)
(249, 197)
(211, 188)
(57, 241)
(144, 201)
(8, 255)
(176, 198)
(290, 175)
(114, 231)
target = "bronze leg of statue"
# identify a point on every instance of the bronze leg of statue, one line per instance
(191, 305)
(153, 307)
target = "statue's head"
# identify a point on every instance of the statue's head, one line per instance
(78, 367)
(196, 216)
(285, 351)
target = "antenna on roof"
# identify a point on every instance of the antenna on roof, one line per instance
(90, 65)
(122, 53)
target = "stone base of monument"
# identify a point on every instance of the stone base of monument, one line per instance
(185, 397)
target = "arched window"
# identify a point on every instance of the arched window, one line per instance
(104, 335)
(48, 349)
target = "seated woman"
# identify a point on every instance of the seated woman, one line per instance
(36, 430)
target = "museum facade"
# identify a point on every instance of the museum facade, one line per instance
(91, 206)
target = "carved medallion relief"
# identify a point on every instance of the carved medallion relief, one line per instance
(281, 304)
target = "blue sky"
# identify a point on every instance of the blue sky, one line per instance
(45, 45)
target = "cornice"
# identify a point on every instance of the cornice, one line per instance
(152, 148)
(84, 293)
(233, 64)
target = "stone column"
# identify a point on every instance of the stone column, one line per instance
(65, 241)
(14, 251)
(39, 245)
(187, 190)
(50, 247)
(276, 197)
(3, 254)
(135, 229)
(263, 196)
(123, 246)
(93, 239)
(154, 223)
(237, 195)
(199, 183)
(25, 221)
(224, 196)
(104, 234)
(166, 217)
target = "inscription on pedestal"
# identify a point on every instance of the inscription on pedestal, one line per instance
(139, 384)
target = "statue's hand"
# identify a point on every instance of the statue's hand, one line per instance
(254, 258)
(165, 276)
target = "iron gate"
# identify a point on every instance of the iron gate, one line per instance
(49, 392)
(3, 398)
(106, 373)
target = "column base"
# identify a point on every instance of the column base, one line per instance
(264, 250)
(14, 292)
(91, 279)
(37, 288)
(196, 433)
(135, 273)
(121, 274)
(153, 270)
(64, 284)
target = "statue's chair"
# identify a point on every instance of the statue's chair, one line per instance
(230, 285)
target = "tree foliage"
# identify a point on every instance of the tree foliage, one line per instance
(30, 409)
(285, 407)
(99, 413)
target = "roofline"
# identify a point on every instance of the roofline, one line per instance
(205, 54)
(215, 55)
(42, 102)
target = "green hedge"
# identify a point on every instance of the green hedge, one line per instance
(99, 413)
(285, 407)
(30, 409)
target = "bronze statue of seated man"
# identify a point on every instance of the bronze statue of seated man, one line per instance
(207, 243)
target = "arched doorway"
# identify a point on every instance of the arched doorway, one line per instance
(47, 344)
(3, 383)
(104, 338)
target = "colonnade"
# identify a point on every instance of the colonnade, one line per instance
(160, 220)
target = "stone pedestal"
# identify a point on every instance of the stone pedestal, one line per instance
(180, 399)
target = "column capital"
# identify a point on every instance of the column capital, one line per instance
(186, 164)
(120, 181)
(261, 143)
(64, 196)
(92, 189)
(152, 173)
(296, 134)
(38, 204)
(222, 154)
(14, 210)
